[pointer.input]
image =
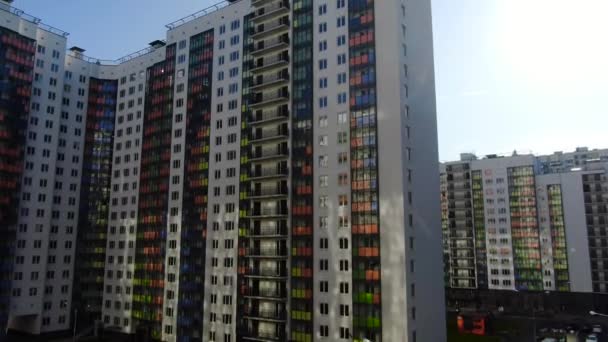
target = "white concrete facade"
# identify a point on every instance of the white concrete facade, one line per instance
(410, 243)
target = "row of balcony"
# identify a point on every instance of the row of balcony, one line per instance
(262, 116)
(267, 28)
(266, 98)
(260, 135)
(270, 10)
(278, 151)
(273, 252)
(269, 172)
(271, 191)
(267, 80)
(269, 45)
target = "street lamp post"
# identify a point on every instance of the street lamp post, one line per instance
(593, 313)
(75, 322)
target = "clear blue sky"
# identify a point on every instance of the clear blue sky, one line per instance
(530, 75)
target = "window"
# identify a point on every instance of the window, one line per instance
(323, 201)
(323, 82)
(323, 45)
(322, 9)
(234, 40)
(323, 121)
(323, 181)
(323, 102)
(324, 330)
(322, 27)
(322, 64)
(323, 265)
(344, 265)
(344, 287)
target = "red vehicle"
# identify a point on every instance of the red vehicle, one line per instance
(474, 323)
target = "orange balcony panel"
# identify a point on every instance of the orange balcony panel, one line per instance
(372, 275)
(306, 170)
(369, 252)
(376, 299)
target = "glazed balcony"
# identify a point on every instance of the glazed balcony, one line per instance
(269, 45)
(270, 10)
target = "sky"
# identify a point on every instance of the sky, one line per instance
(525, 75)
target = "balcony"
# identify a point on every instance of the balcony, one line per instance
(266, 294)
(257, 3)
(269, 153)
(265, 99)
(270, 10)
(277, 191)
(269, 115)
(264, 81)
(267, 253)
(268, 28)
(256, 272)
(269, 173)
(266, 63)
(266, 315)
(270, 45)
(269, 134)
(267, 213)
(269, 231)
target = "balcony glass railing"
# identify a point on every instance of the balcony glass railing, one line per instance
(270, 153)
(272, 8)
(269, 134)
(269, 114)
(267, 212)
(269, 79)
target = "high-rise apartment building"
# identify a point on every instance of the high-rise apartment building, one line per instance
(263, 174)
(526, 222)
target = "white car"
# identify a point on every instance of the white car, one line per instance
(592, 338)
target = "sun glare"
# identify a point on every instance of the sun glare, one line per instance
(554, 41)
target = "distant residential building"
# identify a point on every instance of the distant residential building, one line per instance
(526, 222)
(267, 173)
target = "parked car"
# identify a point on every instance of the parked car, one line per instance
(592, 338)
(597, 329)
(572, 329)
